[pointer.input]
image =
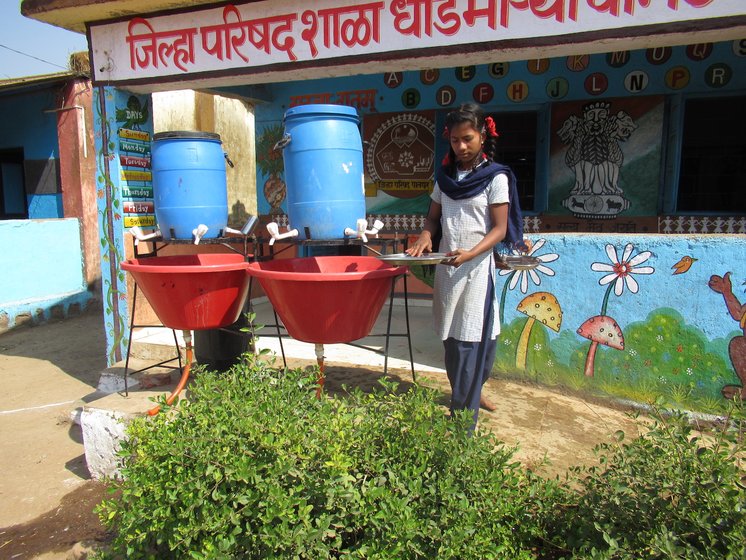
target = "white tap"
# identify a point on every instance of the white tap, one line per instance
(140, 235)
(274, 232)
(361, 231)
(199, 232)
(377, 226)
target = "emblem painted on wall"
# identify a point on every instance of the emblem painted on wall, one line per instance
(595, 156)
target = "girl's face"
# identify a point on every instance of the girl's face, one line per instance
(466, 142)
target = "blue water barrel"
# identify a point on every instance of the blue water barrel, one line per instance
(323, 156)
(189, 183)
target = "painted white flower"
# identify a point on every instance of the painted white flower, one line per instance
(522, 276)
(621, 270)
(659, 338)
(537, 347)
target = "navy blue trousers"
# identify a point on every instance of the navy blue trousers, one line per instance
(469, 364)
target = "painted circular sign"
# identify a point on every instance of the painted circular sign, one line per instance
(400, 155)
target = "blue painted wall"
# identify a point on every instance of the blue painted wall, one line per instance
(27, 125)
(42, 270)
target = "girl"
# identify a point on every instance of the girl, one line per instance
(469, 207)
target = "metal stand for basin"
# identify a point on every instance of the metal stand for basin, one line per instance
(129, 343)
(225, 242)
(388, 334)
(277, 325)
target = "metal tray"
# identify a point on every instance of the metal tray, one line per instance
(405, 259)
(517, 262)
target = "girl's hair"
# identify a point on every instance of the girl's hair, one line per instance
(474, 115)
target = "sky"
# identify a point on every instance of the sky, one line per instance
(29, 47)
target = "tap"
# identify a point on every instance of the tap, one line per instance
(274, 232)
(361, 231)
(199, 232)
(140, 235)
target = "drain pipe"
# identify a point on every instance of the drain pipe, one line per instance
(184, 374)
(320, 360)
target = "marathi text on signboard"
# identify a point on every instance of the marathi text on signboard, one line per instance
(259, 34)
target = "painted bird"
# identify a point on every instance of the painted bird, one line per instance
(684, 264)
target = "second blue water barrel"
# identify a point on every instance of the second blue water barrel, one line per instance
(189, 183)
(323, 156)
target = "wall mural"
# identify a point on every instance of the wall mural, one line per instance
(737, 346)
(123, 134)
(628, 346)
(399, 156)
(595, 157)
(271, 164)
(606, 157)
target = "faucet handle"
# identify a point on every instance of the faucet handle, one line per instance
(274, 232)
(140, 235)
(199, 232)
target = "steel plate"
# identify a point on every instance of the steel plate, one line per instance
(405, 259)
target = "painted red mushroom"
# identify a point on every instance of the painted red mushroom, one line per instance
(600, 329)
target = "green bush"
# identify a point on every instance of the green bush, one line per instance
(254, 466)
(671, 493)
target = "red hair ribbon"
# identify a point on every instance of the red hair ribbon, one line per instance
(446, 160)
(446, 134)
(489, 124)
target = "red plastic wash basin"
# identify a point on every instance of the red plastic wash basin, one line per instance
(193, 292)
(327, 299)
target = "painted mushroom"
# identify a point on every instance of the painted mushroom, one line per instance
(542, 307)
(600, 329)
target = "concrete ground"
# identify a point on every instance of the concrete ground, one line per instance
(50, 372)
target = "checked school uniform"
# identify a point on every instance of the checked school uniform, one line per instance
(464, 299)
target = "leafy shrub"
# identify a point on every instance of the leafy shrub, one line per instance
(254, 466)
(671, 493)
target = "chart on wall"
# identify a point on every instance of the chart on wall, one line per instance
(606, 157)
(135, 163)
(399, 154)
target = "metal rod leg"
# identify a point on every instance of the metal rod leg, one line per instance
(279, 338)
(178, 351)
(129, 341)
(388, 327)
(409, 338)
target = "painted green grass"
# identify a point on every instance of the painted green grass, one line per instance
(663, 358)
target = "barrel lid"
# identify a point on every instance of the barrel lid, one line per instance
(186, 134)
(321, 109)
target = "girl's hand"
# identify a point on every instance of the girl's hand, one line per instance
(460, 256)
(424, 244)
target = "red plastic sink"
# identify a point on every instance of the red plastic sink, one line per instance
(193, 292)
(327, 300)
